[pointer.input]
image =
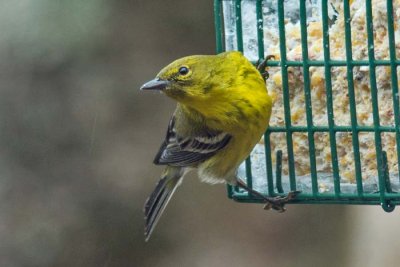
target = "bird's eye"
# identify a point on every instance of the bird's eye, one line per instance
(183, 70)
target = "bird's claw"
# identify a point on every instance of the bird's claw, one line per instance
(278, 203)
(261, 64)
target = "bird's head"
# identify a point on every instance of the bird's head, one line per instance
(205, 81)
(186, 78)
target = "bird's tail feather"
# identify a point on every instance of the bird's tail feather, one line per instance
(159, 198)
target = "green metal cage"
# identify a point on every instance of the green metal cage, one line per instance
(385, 196)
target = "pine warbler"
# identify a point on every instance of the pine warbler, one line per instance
(223, 110)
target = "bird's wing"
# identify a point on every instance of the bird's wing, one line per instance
(187, 151)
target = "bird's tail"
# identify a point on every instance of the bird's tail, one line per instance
(158, 200)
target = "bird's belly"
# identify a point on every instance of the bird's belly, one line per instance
(222, 167)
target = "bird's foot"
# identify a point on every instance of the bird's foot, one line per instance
(278, 203)
(262, 64)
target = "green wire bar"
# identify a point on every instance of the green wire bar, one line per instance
(385, 195)
(307, 97)
(394, 80)
(285, 87)
(329, 99)
(353, 111)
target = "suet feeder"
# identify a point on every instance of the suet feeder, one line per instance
(335, 130)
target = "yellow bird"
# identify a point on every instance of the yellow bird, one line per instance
(223, 110)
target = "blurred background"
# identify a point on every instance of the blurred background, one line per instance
(77, 140)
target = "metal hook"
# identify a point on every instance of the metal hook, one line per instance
(387, 205)
(278, 171)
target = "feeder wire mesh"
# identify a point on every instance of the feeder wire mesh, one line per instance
(384, 194)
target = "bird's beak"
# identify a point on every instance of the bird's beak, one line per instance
(156, 84)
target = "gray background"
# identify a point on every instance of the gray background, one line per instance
(77, 140)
